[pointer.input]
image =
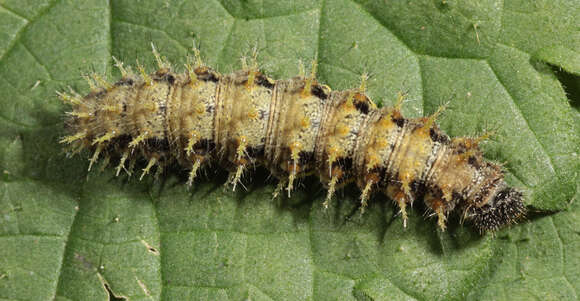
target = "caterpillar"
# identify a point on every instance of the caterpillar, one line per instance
(293, 127)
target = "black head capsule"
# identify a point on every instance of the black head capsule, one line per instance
(505, 209)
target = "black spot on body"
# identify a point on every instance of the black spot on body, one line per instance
(262, 114)
(345, 163)
(164, 77)
(208, 76)
(264, 82)
(400, 122)
(97, 94)
(472, 161)
(170, 79)
(460, 149)
(125, 82)
(362, 107)
(162, 109)
(437, 136)
(318, 91)
(305, 157)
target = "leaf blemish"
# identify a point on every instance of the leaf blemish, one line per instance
(143, 286)
(86, 264)
(150, 248)
(107, 287)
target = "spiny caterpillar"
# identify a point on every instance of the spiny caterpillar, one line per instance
(293, 127)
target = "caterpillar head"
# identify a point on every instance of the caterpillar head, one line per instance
(504, 209)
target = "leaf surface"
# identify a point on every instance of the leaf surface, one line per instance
(66, 234)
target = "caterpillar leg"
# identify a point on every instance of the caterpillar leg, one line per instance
(331, 190)
(72, 98)
(364, 196)
(72, 138)
(402, 199)
(279, 188)
(441, 218)
(95, 156)
(241, 161)
(291, 179)
(122, 162)
(142, 137)
(150, 164)
(106, 137)
(194, 170)
(366, 189)
(438, 206)
(293, 167)
(131, 167)
(235, 177)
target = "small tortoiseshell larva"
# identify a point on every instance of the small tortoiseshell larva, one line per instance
(293, 127)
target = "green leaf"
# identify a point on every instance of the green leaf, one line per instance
(69, 235)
